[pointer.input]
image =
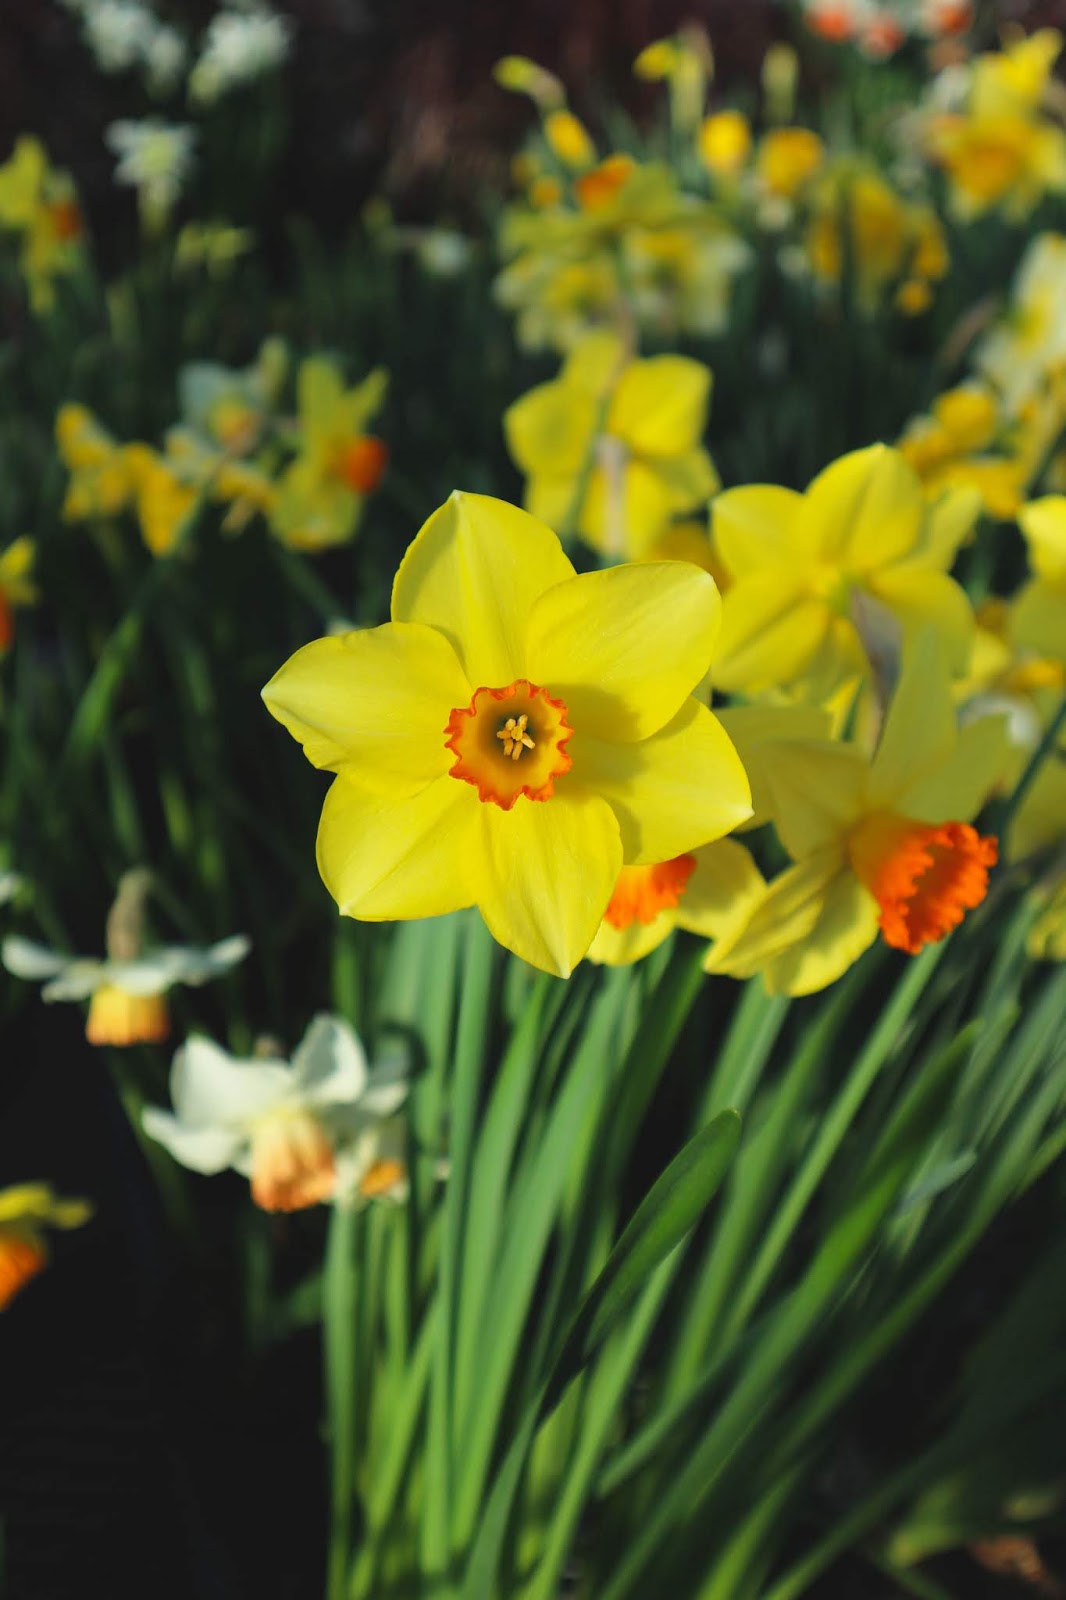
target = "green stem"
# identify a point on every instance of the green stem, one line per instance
(339, 1306)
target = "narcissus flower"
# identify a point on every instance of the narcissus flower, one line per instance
(725, 142)
(703, 891)
(515, 735)
(878, 844)
(859, 219)
(787, 160)
(38, 203)
(282, 1123)
(16, 585)
(26, 1209)
(101, 483)
(164, 499)
(321, 494)
(612, 446)
(127, 997)
(799, 564)
(1028, 343)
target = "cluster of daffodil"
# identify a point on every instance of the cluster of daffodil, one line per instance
(308, 475)
(39, 209)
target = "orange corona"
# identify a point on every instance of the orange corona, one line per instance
(598, 187)
(361, 463)
(510, 742)
(641, 893)
(116, 1017)
(292, 1163)
(22, 1257)
(924, 877)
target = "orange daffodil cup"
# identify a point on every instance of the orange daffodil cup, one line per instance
(515, 735)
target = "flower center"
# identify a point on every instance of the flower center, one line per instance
(22, 1257)
(65, 219)
(598, 188)
(292, 1162)
(924, 878)
(360, 463)
(641, 893)
(510, 742)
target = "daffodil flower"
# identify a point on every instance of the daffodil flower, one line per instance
(285, 1124)
(127, 999)
(101, 483)
(429, 812)
(26, 1209)
(798, 563)
(38, 202)
(321, 494)
(878, 844)
(703, 891)
(16, 585)
(1028, 343)
(623, 435)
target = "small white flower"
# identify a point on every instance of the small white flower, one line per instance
(238, 48)
(127, 997)
(165, 55)
(301, 1131)
(154, 158)
(10, 884)
(117, 32)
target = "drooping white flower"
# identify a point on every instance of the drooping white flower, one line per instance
(302, 1131)
(238, 47)
(127, 998)
(154, 158)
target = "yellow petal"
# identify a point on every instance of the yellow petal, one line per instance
(957, 789)
(815, 791)
(620, 947)
(680, 788)
(624, 511)
(948, 523)
(544, 873)
(770, 633)
(919, 732)
(550, 499)
(753, 528)
(783, 914)
(921, 597)
(756, 731)
(373, 704)
(549, 430)
(722, 890)
(867, 509)
(1043, 522)
(595, 363)
(1038, 619)
(847, 924)
(473, 571)
(660, 406)
(624, 647)
(384, 857)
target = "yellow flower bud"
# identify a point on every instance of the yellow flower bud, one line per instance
(569, 139)
(725, 142)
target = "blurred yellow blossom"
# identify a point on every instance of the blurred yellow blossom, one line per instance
(16, 585)
(725, 142)
(320, 495)
(26, 1210)
(887, 238)
(39, 204)
(101, 483)
(787, 160)
(704, 891)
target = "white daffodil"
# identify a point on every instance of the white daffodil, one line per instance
(117, 32)
(10, 884)
(238, 48)
(154, 158)
(127, 998)
(302, 1131)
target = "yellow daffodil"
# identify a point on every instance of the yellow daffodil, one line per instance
(38, 203)
(803, 566)
(1000, 152)
(878, 844)
(26, 1210)
(569, 140)
(725, 143)
(515, 735)
(612, 446)
(686, 64)
(164, 500)
(703, 891)
(16, 585)
(1028, 344)
(859, 218)
(787, 160)
(101, 483)
(321, 494)
(959, 444)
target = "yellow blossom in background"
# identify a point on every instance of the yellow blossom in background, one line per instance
(39, 204)
(17, 587)
(787, 160)
(568, 138)
(807, 569)
(725, 143)
(164, 501)
(522, 76)
(515, 735)
(887, 238)
(961, 443)
(1027, 345)
(612, 446)
(320, 495)
(26, 1210)
(686, 64)
(882, 844)
(1000, 152)
(101, 483)
(1039, 613)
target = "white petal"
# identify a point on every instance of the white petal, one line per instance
(328, 1065)
(195, 966)
(201, 1149)
(211, 1089)
(28, 960)
(10, 883)
(77, 980)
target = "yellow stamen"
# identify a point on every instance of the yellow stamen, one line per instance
(514, 736)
